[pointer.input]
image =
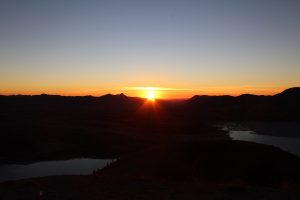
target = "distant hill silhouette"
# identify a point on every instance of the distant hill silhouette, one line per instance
(282, 106)
(65, 105)
(291, 92)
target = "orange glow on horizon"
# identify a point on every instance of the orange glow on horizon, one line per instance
(150, 93)
(184, 93)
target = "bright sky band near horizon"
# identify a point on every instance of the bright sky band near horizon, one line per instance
(184, 47)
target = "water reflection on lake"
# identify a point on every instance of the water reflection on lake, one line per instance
(80, 166)
(289, 144)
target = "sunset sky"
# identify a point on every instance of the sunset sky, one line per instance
(183, 47)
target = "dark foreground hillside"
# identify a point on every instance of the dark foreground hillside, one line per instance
(197, 170)
(167, 150)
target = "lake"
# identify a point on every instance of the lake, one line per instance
(78, 166)
(244, 132)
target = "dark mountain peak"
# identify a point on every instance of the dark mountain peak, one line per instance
(195, 97)
(206, 100)
(114, 98)
(291, 92)
(122, 95)
(247, 95)
(106, 95)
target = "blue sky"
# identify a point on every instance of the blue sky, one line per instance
(81, 47)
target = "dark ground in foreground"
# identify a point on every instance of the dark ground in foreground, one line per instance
(205, 169)
(167, 151)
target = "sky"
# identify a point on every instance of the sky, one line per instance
(183, 47)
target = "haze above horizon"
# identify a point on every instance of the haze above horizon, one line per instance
(179, 47)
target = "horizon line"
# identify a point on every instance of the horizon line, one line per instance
(137, 88)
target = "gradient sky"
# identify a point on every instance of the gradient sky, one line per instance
(81, 47)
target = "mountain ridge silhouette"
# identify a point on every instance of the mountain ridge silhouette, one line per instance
(282, 106)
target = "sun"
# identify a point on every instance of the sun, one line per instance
(150, 94)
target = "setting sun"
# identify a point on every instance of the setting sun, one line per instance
(150, 95)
